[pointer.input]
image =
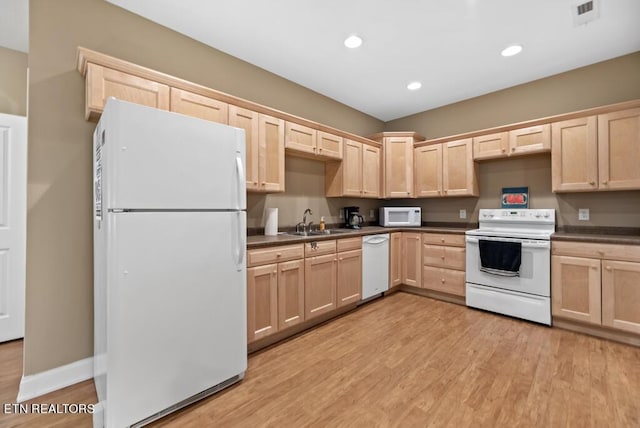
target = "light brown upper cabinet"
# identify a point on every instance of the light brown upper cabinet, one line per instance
(397, 163)
(103, 82)
(307, 142)
(357, 175)
(619, 150)
(533, 139)
(446, 169)
(264, 149)
(196, 105)
(574, 155)
(491, 146)
(597, 152)
(523, 141)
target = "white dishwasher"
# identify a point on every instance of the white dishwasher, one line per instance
(375, 264)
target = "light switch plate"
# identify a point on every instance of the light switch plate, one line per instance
(583, 214)
(463, 213)
(371, 214)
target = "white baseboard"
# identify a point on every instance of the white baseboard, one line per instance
(51, 380)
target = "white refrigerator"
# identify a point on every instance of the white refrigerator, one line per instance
(169, 267)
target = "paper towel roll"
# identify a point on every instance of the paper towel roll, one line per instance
(271, 223)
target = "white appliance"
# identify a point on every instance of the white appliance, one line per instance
(169, 245)
(509, 263)
(400, 216)
(375, 265)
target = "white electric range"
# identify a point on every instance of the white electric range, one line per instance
(508, 259)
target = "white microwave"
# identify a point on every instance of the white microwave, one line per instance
(400, 216)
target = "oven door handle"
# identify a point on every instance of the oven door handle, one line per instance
(528, 244)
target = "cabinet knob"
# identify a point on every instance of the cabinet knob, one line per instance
(442, 257)
(341, 259)
(335, 260)
(442, 280)
(594, 267)
(513, 149)
(442, 240)
(504, 150)
(605, 182)
(314, 149)
(274, 272)
(278, 254)
(593, 183)
(608, 268)
(408, 193)
(320, 149)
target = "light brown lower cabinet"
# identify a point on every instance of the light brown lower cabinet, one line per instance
(411, 259)
(597, 284)
(275, 289)
(349, 280)
(443, 263)
(395, 260)
(320, 285)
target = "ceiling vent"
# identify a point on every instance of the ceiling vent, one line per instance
(585, 12)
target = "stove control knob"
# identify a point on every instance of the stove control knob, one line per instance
(546, 215)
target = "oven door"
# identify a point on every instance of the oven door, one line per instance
(534, 273)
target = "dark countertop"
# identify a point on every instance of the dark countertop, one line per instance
(598, 235)
(260, 241)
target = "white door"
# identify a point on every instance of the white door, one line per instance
(13, 201)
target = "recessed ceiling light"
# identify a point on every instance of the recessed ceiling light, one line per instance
(511, 50)
(414, 86)
(352, 41)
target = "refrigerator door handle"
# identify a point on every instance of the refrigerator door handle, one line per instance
(241, 244)
(240, 177)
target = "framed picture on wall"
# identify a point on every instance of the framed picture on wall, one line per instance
(515, 197)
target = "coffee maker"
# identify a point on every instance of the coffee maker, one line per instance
(352, 218)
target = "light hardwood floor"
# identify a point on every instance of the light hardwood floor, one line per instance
(405, 361)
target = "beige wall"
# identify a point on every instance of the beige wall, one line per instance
(599, 84)
(59, 321)
(604, 83)
(13, 82)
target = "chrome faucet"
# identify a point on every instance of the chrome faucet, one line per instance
(303, 224)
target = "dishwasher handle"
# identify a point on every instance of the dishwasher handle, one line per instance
(375, 239)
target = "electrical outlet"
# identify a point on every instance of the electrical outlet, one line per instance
(371, 214)
(340, 214)
(583, 214)
(463, 213)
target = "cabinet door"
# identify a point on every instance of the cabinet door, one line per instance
(459, 176)
(621, 295)
(319, 285)
(196, 105)
(575, 288)
(619, 149)
(103, 83)
(248, 120)
(412, 259)
(370, 171)
(300, 138)
(491, 146)
(395, 260)
(262, 301)
(352, 169)
(349, 281)
(290, 293)
(574, 155)
(428, 171)
(398, 171)
(534, 139)
(329, 145)
(271, 153)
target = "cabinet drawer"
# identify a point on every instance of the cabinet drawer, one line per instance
(263, 256)
(443, 239)
(349, 244)
(318, 248)
(447, 257)
(629, 253)
(444, 280)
